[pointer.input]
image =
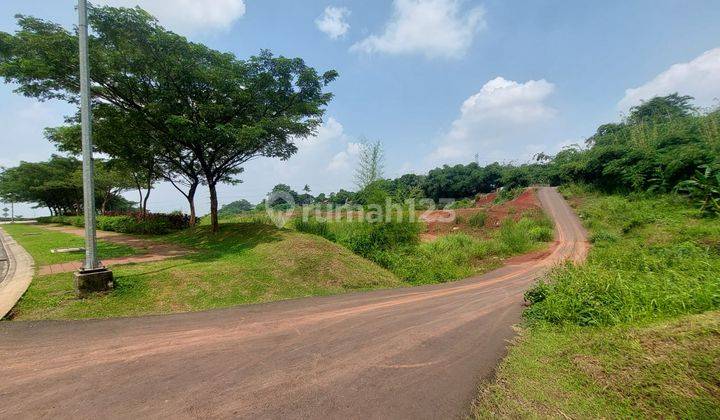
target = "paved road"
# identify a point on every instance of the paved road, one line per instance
(407, 353)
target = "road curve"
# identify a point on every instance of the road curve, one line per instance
(402, 353)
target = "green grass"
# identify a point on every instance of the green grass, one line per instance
(448, 258)
(665, 370)
(38, 242)
(652, 258)
(623, 335)
(243, 263)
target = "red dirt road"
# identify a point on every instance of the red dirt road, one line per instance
(402, 353)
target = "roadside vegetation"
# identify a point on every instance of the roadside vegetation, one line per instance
(620, 336)
(395, 245)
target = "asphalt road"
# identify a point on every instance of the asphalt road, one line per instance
(403, 353)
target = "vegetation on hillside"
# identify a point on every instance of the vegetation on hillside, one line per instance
(604, 339)
(395, 245)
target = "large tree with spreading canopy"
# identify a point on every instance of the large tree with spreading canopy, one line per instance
(196, 108)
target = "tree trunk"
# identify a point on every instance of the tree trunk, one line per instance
(140, 203)
(191, 201)
(144, 205)
(103, 206)
(213, 207)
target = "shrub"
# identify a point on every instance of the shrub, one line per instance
(602, 235)
(365, 238)
(137, 223)
(513, 237)
(541, 234)
(461, 204)
(478, 219)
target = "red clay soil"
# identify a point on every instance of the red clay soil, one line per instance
(485, 199)
(442, 222)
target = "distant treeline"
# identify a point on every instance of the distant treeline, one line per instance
(660, 144)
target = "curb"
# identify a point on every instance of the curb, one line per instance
(20, 271)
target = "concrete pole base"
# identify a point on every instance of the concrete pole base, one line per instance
(92, 281)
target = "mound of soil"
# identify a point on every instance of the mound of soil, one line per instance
(442, 222)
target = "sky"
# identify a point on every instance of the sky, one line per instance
(436, 81)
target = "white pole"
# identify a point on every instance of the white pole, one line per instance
(91, 262)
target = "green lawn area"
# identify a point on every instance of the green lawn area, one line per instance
(38, 242)
(243, 263)
(634, 332)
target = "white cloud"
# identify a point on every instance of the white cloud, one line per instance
(344, 160)
(188, 15)
(333, 21)
(435, 28)
(500, 122)
(699, 78)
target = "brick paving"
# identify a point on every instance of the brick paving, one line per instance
(149, 251)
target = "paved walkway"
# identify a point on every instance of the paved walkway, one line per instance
(149, 250)
(16, 275)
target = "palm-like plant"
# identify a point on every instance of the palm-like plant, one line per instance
(704, 188)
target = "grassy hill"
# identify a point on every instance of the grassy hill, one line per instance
(244, 263)
(633, 333)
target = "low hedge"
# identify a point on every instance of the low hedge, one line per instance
(138, 223)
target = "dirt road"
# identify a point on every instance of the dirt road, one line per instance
(407, 353)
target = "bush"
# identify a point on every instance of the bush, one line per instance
(478, 219)
(603, 236)
(541, 234)
(136, 223)
(365, 238)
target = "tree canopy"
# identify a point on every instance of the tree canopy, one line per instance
(180, 100)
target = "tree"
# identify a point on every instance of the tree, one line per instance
(111, 179)
(236, 207)
(704, 189)
(52, 184)
(370, 164)
(178, 99)
(662, 108)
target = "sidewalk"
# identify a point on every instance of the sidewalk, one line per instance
(19, 269)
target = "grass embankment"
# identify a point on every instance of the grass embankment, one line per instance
(624, 334)
(243, 263)
(38, 242)
(395, 246)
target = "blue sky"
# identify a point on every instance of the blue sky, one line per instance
(437, 81)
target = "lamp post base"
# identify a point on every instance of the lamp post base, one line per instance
(92, 281)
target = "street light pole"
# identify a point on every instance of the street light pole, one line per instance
(93, 276)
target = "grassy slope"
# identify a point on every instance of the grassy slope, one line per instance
(665, 370)
(611, 338)
(244, 263)
(38, 242)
